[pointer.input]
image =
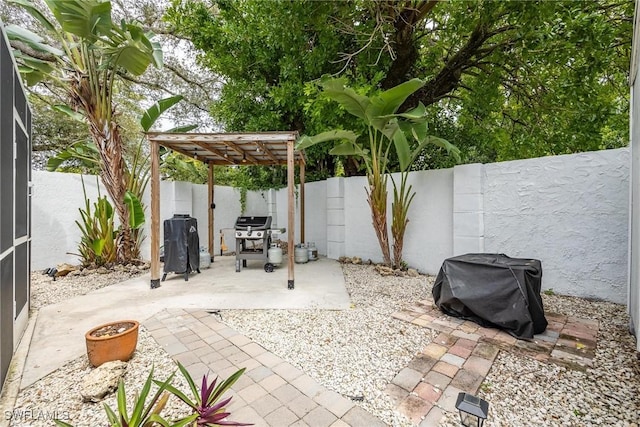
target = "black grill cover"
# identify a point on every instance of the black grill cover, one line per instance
(493, 290)
(181, 244)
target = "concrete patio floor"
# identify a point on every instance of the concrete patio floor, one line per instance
(58, 336)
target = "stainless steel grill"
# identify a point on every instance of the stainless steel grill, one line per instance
(253, 238)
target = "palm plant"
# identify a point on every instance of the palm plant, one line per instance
(405, 132)
(89, 55)
(137, 165)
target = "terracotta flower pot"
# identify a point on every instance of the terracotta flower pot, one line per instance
(110, 342)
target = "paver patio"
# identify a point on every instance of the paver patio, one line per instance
(461, 356)
(272, 392)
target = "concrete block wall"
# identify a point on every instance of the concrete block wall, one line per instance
(429, 236)
(468, 209)
(571, 212)
(335, 234)
(57, 197)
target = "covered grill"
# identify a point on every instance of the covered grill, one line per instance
(493, 290)
(253, 238)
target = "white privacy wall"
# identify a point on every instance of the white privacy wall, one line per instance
(57, 197)
(571, 212)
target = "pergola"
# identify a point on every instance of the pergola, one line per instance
(241, 149)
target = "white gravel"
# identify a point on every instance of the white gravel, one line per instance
(356, 352)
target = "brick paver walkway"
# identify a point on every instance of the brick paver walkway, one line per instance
(461, 356)
(272, 392)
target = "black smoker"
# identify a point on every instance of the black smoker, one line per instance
(181, 246)
(250, 232)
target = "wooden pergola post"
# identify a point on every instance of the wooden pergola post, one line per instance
(211, 186)
(302, 238)
(291, 225)
(155, 215)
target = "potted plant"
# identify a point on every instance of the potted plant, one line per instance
(112, 341)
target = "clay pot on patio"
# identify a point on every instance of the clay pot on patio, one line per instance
(112, 341)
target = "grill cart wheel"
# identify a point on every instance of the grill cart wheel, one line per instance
(268, 267)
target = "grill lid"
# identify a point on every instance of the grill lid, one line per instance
(255, 222)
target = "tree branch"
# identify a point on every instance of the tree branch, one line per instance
(27, 50)
(404, 46)
(469, 56)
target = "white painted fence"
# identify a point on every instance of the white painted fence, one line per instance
(571, 212)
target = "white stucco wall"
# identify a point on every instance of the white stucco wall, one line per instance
(429, 239)
(55, 202)
(571, 212)
(568, 211)
(360, 238)
(316, 215)
(57, 197)
(634, 195)
(634, 223)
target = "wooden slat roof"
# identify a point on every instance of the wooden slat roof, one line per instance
(256, 148)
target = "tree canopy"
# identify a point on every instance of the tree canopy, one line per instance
(504, 79)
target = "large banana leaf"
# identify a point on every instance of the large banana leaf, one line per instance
(352, 102)
(136, 211)
(69, 112)
(332, 135)
(36, 65)
(348, 148)
(87, 19)
(83, 151)
(389, 101)
(34, 12)
(32, 39)
(152, 114)
(182, 129)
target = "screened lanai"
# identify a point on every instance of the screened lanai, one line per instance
(228, 149)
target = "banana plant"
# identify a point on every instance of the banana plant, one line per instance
(137, 166)
(387, 132)
(85, 56)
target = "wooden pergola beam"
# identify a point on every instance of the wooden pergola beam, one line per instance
(278, 149)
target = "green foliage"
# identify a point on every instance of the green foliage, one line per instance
(97, 239)
(87, 54)
(207, 405)
(266, 69)
(503, 80)
(144, 414)
(136, 165)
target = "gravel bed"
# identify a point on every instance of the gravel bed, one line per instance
(356, 352)
(45, 290)
(523, 391)
(58, 394)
